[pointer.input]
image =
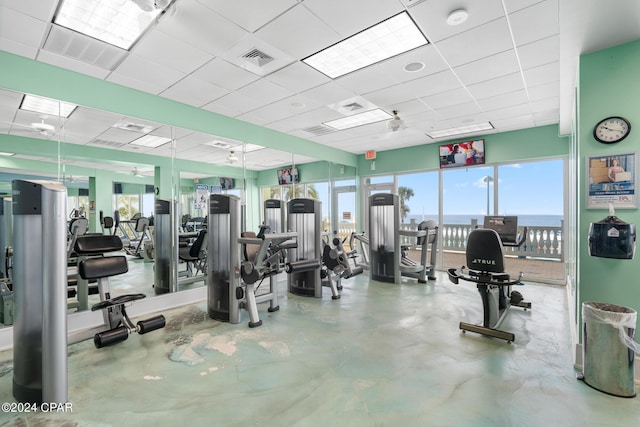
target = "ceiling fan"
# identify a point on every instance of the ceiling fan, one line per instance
(135, 172)
(44, 129)
(396, 123)
(232, 159)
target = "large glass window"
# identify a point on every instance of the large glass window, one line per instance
(534, 192)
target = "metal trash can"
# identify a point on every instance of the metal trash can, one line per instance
(608, 349)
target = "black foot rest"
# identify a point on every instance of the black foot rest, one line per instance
(119, 300)
(122, 326)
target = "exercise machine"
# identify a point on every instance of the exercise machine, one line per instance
(40, 286)
(335, 264)
(305, 218)
(264, 256)
(388, 258)
(137, 235)
(231, 277)
(360, 257)
(274, 215)
(426, 236)
(384, 239)
(96, 266)
(485, 267)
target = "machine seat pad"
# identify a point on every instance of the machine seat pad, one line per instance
(119, 300)
(98, 268)
(95, 244)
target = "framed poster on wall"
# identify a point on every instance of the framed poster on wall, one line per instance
(612, 179)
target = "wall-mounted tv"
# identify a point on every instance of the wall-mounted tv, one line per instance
(288, 176)
(462, 154)
(227, 183)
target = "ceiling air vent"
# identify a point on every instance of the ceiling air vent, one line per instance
(319, 130)
(257, 57)
(105, 143)
(354, 106)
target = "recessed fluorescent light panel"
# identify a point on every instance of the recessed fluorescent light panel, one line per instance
(150, 141)
(391, 37)
(365, 118)
(460, 130)
(119, 23)
(47, 106)
(5, 154)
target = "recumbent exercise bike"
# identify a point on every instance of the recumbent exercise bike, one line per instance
(485, 267)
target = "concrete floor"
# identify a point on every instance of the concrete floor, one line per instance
(382, 355)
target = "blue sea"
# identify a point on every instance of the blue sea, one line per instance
(528, 220)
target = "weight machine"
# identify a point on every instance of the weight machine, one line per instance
(485, 261)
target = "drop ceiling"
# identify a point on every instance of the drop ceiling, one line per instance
(512, 63)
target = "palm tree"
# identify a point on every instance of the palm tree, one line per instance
(404, 194)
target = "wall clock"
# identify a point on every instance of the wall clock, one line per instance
(611, 130)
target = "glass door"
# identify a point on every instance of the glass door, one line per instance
(343, 208)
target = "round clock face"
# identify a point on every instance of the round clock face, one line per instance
(611, 130)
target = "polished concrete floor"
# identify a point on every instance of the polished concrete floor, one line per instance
(382, 355)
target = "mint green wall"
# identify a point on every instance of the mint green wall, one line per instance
(526, 144)
(609, 85)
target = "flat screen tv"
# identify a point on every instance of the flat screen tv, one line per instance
(288, 176)
(227, 183)
(462, 154)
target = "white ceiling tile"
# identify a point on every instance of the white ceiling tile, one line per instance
(233, 104)
(511, 123)
(545, 104)
(261, 11)
(479, 42)
(447, 99)
(536, 22)
(72, 64)
(432, 16)
(515, 5)
(508, 112)
(460, 110)
(18, 48)
(504, 100)
(298, 33)
(493, 87)
(21, 28)
(539, 52)
(488, 68)
(285, 108)
(199, 26)
(436, 83)
(39, 9)
(144, 86)
(264, 91)
(544, 74)
(543, 91)
(221, 73)
(306, 120)
(298, 77)
(194, 91)
(354, 15)
(328, 93)
(171, 52)
(150, 73)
